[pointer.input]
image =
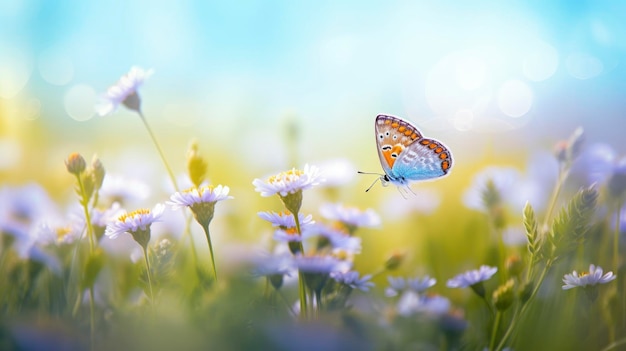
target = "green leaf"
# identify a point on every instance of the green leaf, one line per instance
(570, 227)
(532, 234)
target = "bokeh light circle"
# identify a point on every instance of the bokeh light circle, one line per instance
(470, 72)
(515, 98)
(11, 152)
(32, 109)
(79, 102)
(55, 67)
(15, 71)
(583, 66)
(541, 61)
(463, 120)
(457, 81)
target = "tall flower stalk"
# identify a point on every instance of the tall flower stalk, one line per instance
(568, 231)
(138, 224)
(89, 181)
(289, 186)
(202, 202)
(125, 92)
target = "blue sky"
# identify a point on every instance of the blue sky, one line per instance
(472, 66)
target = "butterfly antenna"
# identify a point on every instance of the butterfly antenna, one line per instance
(368, 189)
(377, 179)
(378, 174)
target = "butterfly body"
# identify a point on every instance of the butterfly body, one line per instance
(406, 155)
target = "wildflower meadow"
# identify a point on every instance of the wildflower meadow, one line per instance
(368, 229)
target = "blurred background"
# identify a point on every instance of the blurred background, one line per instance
(264, 86)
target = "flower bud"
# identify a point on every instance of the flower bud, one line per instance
(514, 265)
(196, 166)
(560, 151)
(98, 172)
(503, 296)
(395, 260)
(75, 163)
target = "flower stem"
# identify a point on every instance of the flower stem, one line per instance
(519, 312)
(615, 344)
(301, 285)
(90, 233)
(85, 204)
(192, 243)
(208, 238)
(156, 143)
(92, 319)
(494, 332)
(145, 256)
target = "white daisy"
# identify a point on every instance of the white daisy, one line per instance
(120, 189)
(417, 285)
(124, 92)
(286, 220)
(338, 239)
(584, 279)
(289, 182)
(267, 265)
(287, 235)
(350, 216)
(352, 279)
(134, 221)
(193, 196)
(472, 277)
(320, 264)
(433, 305)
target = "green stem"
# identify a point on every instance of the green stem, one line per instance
(208, 238)
(494, 332)
(90, 233)
(484, 298)
(301, 285)
(85, 204)
(92, 319)
(145, 256)
(615, 344)
(520, 311)
(286, 302)
(192, 243)
(156, 143)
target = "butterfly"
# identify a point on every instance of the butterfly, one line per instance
(406, 155)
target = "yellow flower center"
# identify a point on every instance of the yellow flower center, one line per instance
(205, 188)
(286, 175)
(136, 213)
(63, 231)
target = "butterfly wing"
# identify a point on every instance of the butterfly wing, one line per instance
(422, 160)
(393, 136)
